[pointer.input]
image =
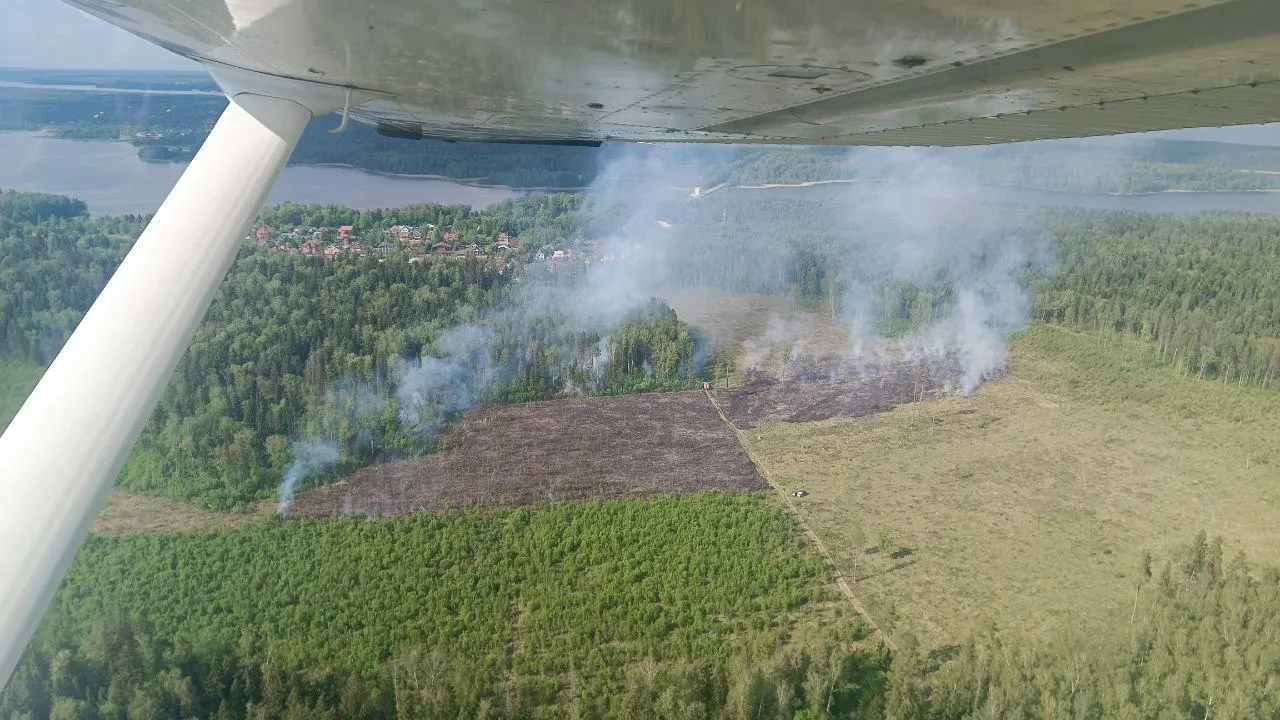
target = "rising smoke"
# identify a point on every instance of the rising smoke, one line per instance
(920, 256)
(310, 457)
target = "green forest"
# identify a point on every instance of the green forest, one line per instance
(1201, 287)
(296, 347)
(680, 607)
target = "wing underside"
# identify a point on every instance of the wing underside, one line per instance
(863, 72)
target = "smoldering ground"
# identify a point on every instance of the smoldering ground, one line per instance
(919, 258)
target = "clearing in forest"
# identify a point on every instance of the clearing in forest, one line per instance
(567, 449)
(1029, 503)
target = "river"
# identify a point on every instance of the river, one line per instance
(111, 178)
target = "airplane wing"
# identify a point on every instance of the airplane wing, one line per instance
(858, 72)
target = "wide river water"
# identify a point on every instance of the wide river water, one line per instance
(111, 178)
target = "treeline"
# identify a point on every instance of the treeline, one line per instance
(1199, 286)
(25, 207)
(107, 115)
(1132, 168)
(699, 606)
(515, 165)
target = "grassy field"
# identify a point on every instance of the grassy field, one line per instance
(17, 378)
(1030, 503)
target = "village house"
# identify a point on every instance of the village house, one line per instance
(332, 251)
(385, 247)
(307, 248)
(450, 237)
(344, 232)
(403, 233)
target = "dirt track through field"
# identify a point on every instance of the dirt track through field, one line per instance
(841, 582)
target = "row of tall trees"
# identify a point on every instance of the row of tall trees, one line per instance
(1199, 286)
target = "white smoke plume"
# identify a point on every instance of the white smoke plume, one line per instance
(310, 457)
(902, 221)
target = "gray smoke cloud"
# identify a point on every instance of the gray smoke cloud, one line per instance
(918, 256)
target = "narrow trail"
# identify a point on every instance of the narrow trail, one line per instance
(841, 582)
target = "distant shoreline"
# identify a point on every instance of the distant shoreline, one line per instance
(49, 133)
(469, 182)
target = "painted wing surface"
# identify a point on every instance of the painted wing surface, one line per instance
(901, 72)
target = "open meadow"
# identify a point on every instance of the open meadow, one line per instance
(1029, 504)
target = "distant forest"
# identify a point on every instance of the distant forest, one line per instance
(170, 128)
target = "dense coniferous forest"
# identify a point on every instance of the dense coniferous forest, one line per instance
(256, 623)
(681, 607)
(1201, 287)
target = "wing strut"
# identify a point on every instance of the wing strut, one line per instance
(65, 447)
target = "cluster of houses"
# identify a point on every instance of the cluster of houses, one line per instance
(342, 240)
(422, 242)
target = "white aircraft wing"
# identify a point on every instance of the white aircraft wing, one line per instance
(900, 72)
